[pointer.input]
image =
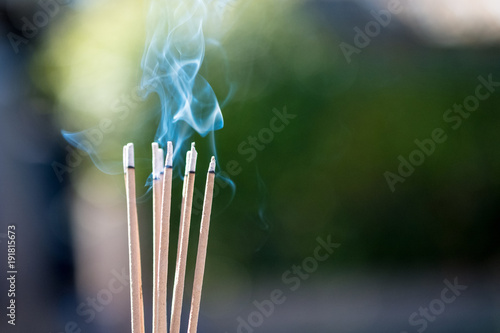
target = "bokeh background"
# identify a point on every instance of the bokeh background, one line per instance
(322, 176)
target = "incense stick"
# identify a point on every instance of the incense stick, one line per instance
(180, 270)
(157, 162)
(137, 305)
(202, 249)
(160, 288)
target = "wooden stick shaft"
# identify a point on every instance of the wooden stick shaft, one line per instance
(202, 254)
(137, 305)
(180, 270)
(156, 239)
(161, 286)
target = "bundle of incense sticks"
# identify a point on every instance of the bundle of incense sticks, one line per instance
(162, 194)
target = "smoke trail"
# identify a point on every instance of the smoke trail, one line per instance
(171, 64)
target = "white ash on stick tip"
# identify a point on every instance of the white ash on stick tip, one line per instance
(186, 171)
(170, 155)
(128, 156)
(154, 149)
(125, 159)
(211, 167)
(192, 160)
(159, 160)
(188, 162)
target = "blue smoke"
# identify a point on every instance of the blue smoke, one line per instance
(171, 64)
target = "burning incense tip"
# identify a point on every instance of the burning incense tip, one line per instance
(211, 167)
(159, 160)
(192, 158)
(125, 153)
(188, 161)
(156, 171)
(186, 171)
(170, 155)
(128, 156)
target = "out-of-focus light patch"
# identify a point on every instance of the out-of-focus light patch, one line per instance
(90, 58)
(94, 187)
(454, 22)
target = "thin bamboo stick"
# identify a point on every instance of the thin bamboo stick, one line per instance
(180, 270)
(202, 249)
(161, 285)
(157, 155)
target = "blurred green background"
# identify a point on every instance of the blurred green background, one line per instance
(323, 174)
